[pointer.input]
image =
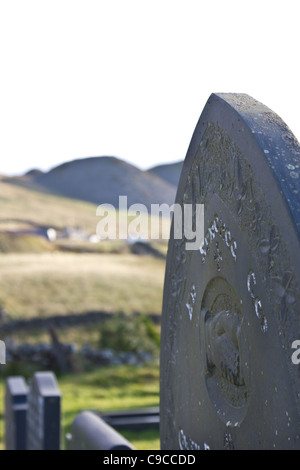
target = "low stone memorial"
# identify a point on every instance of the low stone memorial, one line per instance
(16, 392)
(90, 432)
(44, 414)
(229, 371)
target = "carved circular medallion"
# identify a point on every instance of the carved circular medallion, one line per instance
(226, 359)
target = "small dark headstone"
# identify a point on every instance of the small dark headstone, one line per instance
(15, 413)
(43, 418)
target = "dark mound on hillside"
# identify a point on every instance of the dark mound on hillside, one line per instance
(34, 173)
(168, 172)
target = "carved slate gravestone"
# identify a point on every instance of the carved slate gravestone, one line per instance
(43, 418)
(15, 413)
(231, 309)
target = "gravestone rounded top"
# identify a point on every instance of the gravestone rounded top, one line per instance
(45, 384)
(43, 416)
(17, 386)
(231, 308)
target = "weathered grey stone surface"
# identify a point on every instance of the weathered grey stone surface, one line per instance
(44, 415)
(231, 309)
(16, 392)
(90, 432)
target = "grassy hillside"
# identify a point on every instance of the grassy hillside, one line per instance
(22, 208)
(39, 278)
(60, 283)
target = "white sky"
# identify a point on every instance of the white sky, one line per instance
(130, 78)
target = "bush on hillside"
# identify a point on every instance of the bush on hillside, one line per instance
(129, 333)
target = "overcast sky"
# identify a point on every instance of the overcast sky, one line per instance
(129, 78)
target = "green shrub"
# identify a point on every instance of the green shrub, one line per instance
(129, 333)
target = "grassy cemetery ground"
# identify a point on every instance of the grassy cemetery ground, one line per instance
(41, 279)
(61, 283)
(114, 388)
(107, 389)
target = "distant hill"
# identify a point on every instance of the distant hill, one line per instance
(103, 179)
(168, 172)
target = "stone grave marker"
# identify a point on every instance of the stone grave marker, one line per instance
(231, 309)
(43, 417)
(90, 432)
(16, 392)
